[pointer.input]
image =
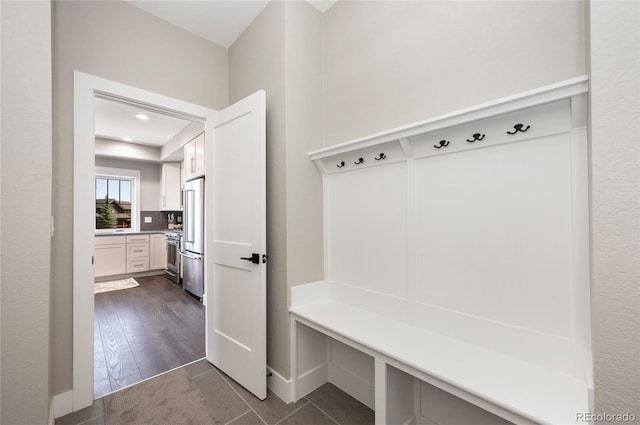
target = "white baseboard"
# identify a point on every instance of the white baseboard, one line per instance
(353, 385)
(280, 386)
(62, 404)
(312, 380)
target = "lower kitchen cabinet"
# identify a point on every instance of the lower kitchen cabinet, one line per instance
(137, 253)
(116, 255)
(110, 255)
(157, 252)
(135, 265)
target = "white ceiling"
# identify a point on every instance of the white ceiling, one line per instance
(115, 120)
(219, 21)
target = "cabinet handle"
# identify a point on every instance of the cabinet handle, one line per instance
(164, 201)
(193, 165)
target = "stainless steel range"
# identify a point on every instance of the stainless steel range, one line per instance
(174, 245)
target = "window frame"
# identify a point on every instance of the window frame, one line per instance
(121, 174)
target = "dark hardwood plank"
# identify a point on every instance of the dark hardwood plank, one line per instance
(144, 331)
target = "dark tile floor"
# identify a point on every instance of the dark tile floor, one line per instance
(231, 404)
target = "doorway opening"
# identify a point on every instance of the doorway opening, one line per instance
(145, 324)
(86, 89)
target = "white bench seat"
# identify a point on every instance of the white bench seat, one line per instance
(514, 389)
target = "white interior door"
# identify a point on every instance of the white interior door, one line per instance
(236, 244)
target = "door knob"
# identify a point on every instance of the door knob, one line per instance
(255, 258)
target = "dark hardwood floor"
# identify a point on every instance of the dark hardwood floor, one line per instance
(141, 332)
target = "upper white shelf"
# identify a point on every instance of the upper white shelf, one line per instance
(533, 113)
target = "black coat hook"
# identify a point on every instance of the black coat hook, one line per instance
(382, 156)
(443, 144)
(518, 128)
(476, 136)
(360, 161)
(340, 165)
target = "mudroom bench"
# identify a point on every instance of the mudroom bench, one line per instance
(456, 267)
(518, 391)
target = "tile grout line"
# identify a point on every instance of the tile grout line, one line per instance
(90, 419)
(201, 373)
(238, 417)
(292, 413)
(226, 381)
(207, 401)
(330, 417)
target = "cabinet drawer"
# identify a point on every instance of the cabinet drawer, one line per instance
(138, 239)
(138, 265)
(109, 240)
(139, 250)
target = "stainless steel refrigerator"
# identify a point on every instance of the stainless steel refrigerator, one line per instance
(193, 237)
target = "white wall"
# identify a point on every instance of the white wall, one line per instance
(123, 150)
(114, 40)
(391, 63)
(149, 179)
(615, 211)
(25, 175)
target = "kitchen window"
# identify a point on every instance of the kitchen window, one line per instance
(115, 202)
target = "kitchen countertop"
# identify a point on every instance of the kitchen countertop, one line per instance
(128, 232)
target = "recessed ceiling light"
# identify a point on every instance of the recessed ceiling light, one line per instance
(142, 117)
(127, 139)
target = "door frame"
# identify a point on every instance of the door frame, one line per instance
(86, 87)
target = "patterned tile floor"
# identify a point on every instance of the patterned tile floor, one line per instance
(235, 406)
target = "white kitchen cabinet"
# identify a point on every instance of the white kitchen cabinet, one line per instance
(194, 158)
(170, 183)
(110, 255)
(138, 265)
(139, 250)
(137, 253)
(157, 252)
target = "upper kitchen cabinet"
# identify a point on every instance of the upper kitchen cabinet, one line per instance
(170, 183)
(194, 158)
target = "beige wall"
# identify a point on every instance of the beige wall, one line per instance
(25, 176)
(257, 61)
(149, 179)
(114, 40)
(303, 92)
(615, 210)
(388, 64)
(281, 52)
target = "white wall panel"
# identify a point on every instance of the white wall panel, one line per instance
(493, 239)
(440, 407)
(367, 217)
(353, 372)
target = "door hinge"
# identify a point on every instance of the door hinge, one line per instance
(264, 258)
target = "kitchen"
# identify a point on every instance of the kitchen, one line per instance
(140, 255)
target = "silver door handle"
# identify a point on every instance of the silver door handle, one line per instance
(193, 257)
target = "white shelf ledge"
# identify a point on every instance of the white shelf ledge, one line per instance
(506, 386)
(554, 92)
